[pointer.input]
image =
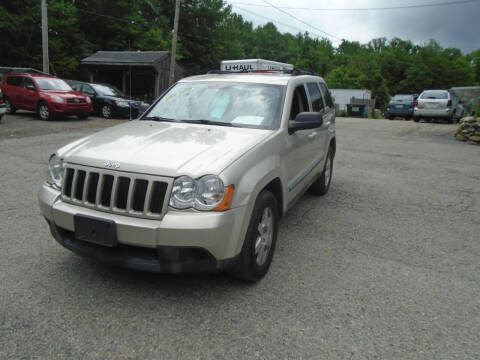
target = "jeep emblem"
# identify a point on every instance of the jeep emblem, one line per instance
(111, 164)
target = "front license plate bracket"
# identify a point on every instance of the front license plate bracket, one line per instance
(95, 230)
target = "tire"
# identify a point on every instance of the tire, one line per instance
(1, 116)
(322, 184)
(259, 244)
(10, 108)
(44, 112)
(390, 117)
(416, 119)
(107, 111)
(408, 118)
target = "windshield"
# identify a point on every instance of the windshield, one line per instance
(106, 90)
(402, 98)
(434, 95)
(52, 84)
(222, 103)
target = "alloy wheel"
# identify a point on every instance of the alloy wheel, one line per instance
(263, 242)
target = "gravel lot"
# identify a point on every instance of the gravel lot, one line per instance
(385, 266)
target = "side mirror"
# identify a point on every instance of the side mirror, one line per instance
(304, 121)
(31, 87)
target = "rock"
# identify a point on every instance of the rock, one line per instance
(461, 137)
(474, 138)
(468, 119)
(467, 132)
(473, 142)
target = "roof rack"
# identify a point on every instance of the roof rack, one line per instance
(294, 72)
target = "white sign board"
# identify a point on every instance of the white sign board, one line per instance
(253, 65)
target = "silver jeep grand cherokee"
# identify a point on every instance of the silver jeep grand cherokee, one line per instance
(200, 181)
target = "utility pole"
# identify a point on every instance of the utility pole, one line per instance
(46, 66)
(174, 43)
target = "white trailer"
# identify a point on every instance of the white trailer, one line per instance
(342, 97)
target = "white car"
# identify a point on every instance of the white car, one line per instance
(201, 180)
(434, 104)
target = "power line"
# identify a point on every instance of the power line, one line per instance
(273, 20)
(303, 22)
(362, 9)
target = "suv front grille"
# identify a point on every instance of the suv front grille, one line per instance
(76, 101)
(117, 192)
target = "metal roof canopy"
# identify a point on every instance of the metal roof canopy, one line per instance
(122, 58)
(20, 70)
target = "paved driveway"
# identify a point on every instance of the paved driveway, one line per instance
(385, 266)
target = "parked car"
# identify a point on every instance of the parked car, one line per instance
(200, 181)
(110, 102)
(46, 95)
(438, 104)
(3, 108)
(401, 105)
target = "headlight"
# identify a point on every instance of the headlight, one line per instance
(206, 193)
(184, 191)
(57, 99)
(122, 103)
(55, 171)
(88, 99)
(210, 192)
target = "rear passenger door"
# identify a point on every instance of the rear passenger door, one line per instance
(329, 115)
(14, 90)
(319, 106)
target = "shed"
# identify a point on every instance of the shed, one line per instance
(143, 74)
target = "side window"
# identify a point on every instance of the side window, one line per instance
(28, 84)
(15, 81)
(316, 97)
(299, 102)
(87, 89)
(327, 96)
(77, 87)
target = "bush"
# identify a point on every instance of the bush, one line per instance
(476, 112)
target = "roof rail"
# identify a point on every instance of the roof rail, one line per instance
(294, 72)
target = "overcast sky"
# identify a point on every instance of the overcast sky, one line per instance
(452, 26)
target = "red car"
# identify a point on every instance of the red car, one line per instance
(46, 95)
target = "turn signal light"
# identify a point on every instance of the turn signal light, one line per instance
(227, 199)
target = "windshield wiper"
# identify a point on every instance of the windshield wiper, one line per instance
(158, 118)
(209, 122)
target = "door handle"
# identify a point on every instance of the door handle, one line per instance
(312, 135)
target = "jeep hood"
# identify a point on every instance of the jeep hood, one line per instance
(163, 148)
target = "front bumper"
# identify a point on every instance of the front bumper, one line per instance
(180, 242)
(71, 109)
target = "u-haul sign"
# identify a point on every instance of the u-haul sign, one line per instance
(253, 65)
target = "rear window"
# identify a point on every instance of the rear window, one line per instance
(403, 98)
(433, 94)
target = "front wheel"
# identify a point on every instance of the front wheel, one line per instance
(416, 119)
(107, 111)
(322, 184)
(44, 112)
(259, 244)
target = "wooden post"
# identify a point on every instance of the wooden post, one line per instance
(174, 43)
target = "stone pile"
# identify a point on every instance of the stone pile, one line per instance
(469, 130)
